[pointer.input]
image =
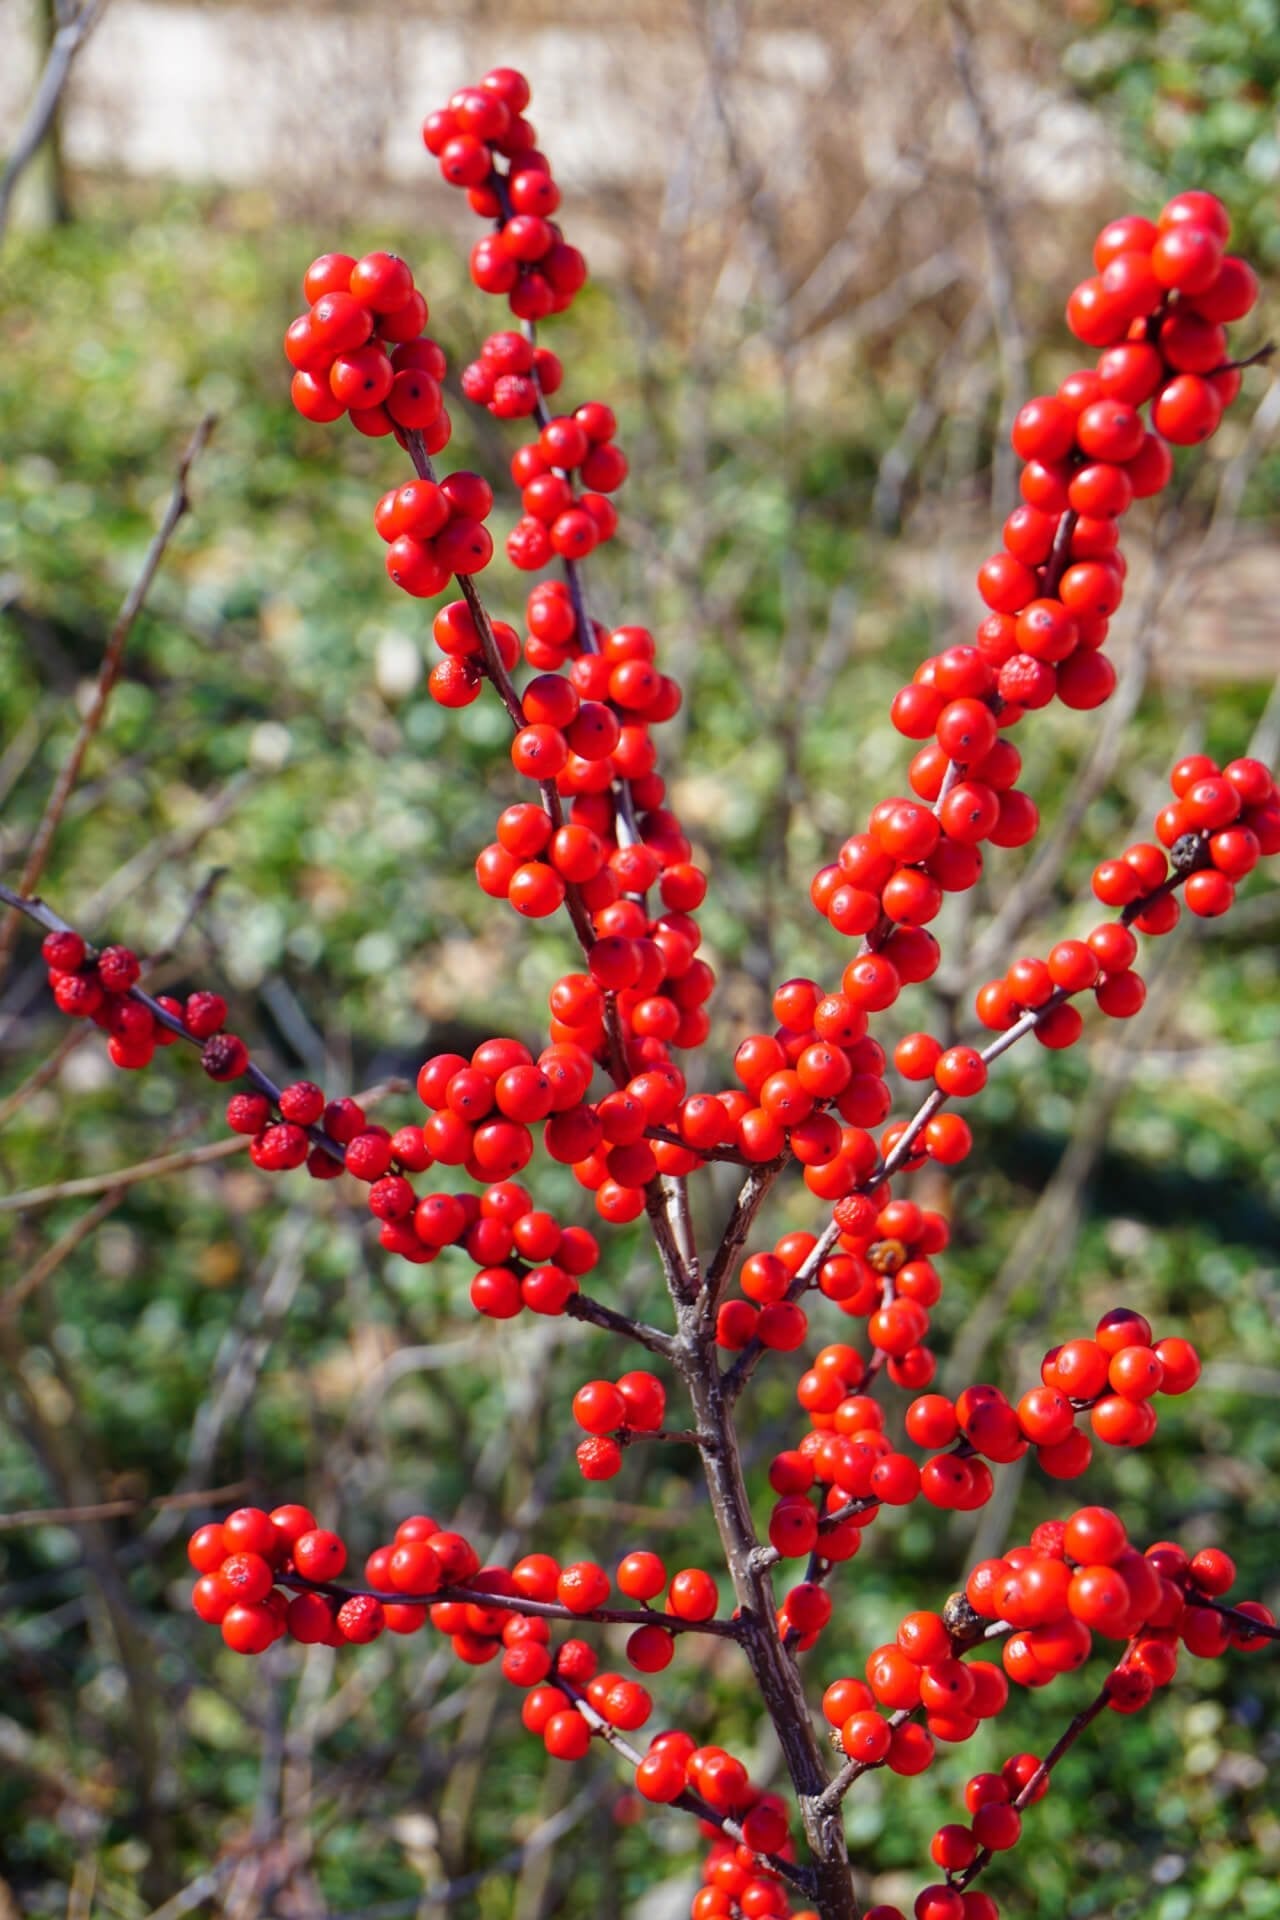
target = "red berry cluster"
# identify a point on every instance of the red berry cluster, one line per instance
(603, 1142)
(846, 1164)
(610, 1412)
(99, 987)
(583, 724)
(1115, 1376)
(878, 1270)
(556, 521)
(465, 1130)
(524, 1257)
(1082, 1577)
(919, 1671)
(1159, 302)
(242, 1559)
(527, 258)
(435, 530)
(732, 1876)
(1060, 576)
(582, 734)
(1221, 822)
(512, 376)
(246, 1564)
(1217, 829)
(297, 1126)
(848, 1461)
(1073, 1579)
(889, 882)
(264, 1575)
(456, 680)
(359, 349)
(600, 840)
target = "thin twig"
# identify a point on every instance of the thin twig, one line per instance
(120, 1509)
(163, 1163)
(688, 1801)
(52, 1258)
(1062, 1745)
(39, 1078)
(989, 173)
(755, 1189)
(520, 1603)
(115, 1183)
(1266, 1630)
(108, 672)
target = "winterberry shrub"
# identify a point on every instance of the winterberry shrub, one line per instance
(618, 1087)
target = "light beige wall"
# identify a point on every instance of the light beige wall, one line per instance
(239, 95)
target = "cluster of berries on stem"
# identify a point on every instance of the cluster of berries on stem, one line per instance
(615, 1092)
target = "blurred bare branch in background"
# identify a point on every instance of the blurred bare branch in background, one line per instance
(72, 26)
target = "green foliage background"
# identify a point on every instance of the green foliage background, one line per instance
(274, 721)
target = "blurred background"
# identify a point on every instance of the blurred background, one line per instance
(832, 243)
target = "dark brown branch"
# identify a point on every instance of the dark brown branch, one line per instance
(519, 1603)
(1059, 556)
(581, 1306)
(854, 1769)
(676, 1437)
(752, 1197)
(775, 1672)
(1062, 1745)
(1237, 1616)
(731, 1155)
(44, 916)
(1258, 359)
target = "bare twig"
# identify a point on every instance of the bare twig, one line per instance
(755, 1189)
(988, 174)
(52, 1258)
(40, 1077)
(115, 1183)
(120, 1509)
(163, 1163)
(109, 671)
